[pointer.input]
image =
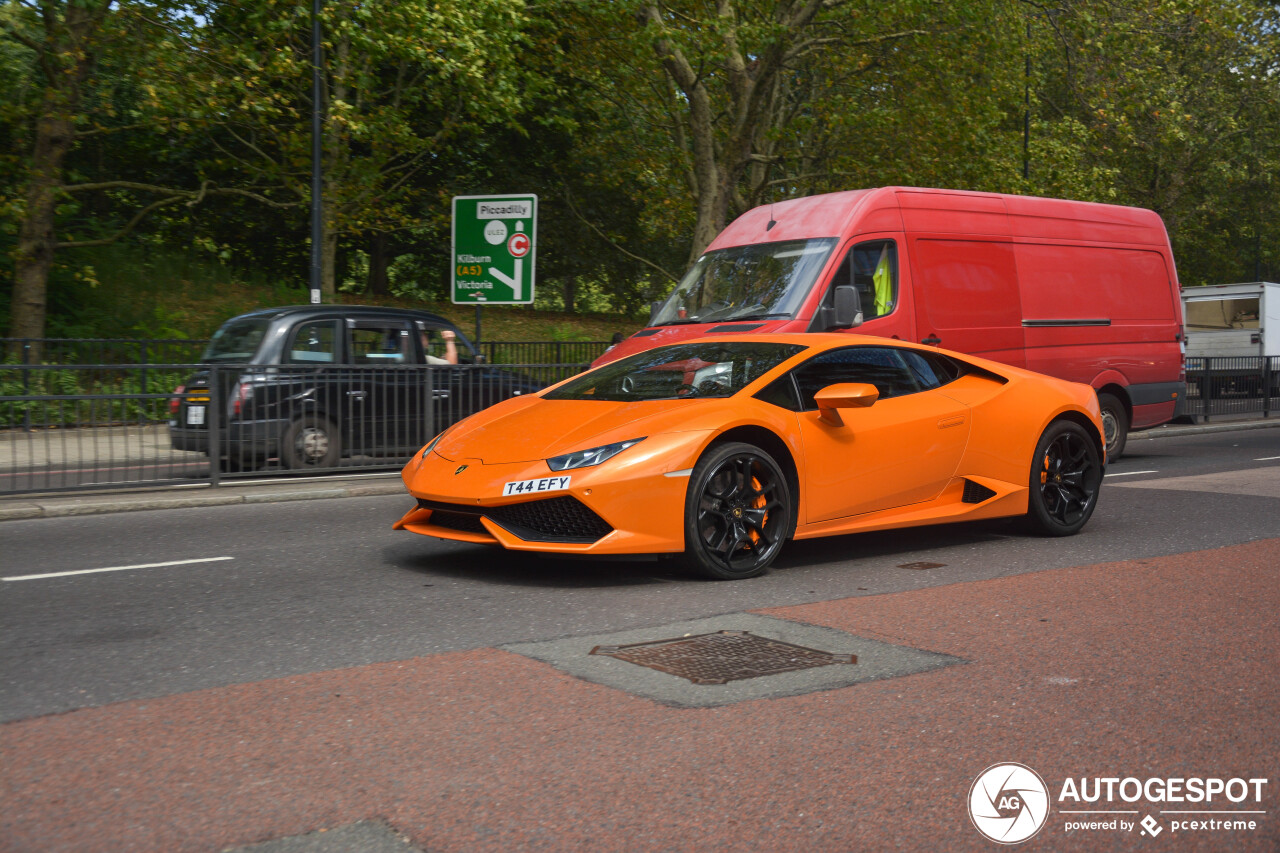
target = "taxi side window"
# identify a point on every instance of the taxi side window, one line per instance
(381, 344)
(313, 343)
(883, 367)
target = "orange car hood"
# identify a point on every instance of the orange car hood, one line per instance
(534, 428)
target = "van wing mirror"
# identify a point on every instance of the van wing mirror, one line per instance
(844, 395)
(844, 312)
(848, 307)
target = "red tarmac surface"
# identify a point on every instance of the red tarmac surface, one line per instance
(1158, 667)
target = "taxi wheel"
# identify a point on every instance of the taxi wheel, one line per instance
(1066, 474)
(310, 442)
(1115, 425)
(737, 512)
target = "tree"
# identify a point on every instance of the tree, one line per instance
(737, 102)
(402, 80)
(1173, 105)
(78, 52)
(64, 40)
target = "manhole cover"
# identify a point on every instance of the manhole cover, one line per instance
(722, 657)
(922, 565)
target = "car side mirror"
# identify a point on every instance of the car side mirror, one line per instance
(654, 308)
(844, 395)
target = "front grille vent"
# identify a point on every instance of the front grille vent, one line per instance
(559, 519)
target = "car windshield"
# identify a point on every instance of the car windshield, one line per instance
(682, 371)
(756, 282)
(236, 340)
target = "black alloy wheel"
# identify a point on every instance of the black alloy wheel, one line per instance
(737, 512)
(1065, 478)
(310, 441)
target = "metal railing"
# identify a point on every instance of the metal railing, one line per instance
(182, 351)
(1232, 386)
(542, 352)
(91, 426)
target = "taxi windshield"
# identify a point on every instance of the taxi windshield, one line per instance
(757, 282)
(682, 371)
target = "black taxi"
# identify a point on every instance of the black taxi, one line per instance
(310, 385)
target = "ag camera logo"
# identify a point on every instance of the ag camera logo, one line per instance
(1009, 803)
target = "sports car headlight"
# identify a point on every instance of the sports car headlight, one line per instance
(594, 456)
(433, 442)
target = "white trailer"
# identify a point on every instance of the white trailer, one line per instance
(1232, 320)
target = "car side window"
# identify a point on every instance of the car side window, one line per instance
(883, 367)
(381, 343)
(929, 369)
(872, 268)
(313, 343)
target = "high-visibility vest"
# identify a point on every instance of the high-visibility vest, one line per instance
(883, 283)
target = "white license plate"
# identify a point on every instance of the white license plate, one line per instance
(543, 484)
(195, 415)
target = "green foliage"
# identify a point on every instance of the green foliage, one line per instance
(1168, 104)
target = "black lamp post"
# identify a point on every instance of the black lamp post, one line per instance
(317, 200)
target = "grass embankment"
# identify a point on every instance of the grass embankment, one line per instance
(136, 292)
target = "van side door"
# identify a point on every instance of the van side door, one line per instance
(966, 296)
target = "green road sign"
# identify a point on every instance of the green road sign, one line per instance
(493, 242)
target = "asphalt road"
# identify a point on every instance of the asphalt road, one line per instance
(298, 678)
(284, 589)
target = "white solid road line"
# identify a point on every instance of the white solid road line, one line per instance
(1267, 459)
(116, 569)
(1129, 473)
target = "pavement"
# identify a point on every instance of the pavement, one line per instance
(1136, 670)
(272, 490)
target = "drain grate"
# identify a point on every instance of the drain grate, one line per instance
(722, 657)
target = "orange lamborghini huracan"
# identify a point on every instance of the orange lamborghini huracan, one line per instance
(721, 449)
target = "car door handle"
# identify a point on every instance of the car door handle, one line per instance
(932, 340)
(439, 395)
(957, 420)
(357, 395)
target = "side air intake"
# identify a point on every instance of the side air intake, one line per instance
(976, 493)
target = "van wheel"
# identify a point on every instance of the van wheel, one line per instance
(737, 512)
(1066, 474)
(1115, 425)
(310, 442)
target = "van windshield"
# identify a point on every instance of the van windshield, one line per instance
(236, 340)
(757, 282)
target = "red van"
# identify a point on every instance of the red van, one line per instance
(1086, 292)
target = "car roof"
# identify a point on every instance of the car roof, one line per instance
(372, 312)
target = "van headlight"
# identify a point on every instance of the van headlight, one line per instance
(594, 456)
